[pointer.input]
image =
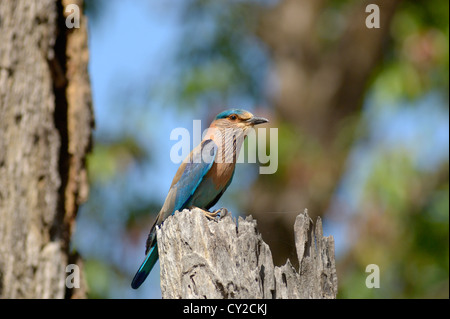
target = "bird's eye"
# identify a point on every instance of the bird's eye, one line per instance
(233, 117)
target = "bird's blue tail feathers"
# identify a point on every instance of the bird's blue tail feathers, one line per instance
(146, 267)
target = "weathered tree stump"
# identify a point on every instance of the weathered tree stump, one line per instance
(201, 258)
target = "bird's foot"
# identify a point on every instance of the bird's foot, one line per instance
(217, 214)
(211, 215)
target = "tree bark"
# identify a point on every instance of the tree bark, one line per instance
(201, 258)
(45, 133)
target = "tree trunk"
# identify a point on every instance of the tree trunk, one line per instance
(201, 258)
(46, 122)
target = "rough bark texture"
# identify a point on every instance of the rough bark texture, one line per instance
(201, 258)
(45, 133)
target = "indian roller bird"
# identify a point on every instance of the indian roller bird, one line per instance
(202, 177)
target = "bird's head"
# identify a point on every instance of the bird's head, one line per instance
(229, 129)
(237, 119)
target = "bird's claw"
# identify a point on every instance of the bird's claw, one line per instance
(210, 215)
(217, 214)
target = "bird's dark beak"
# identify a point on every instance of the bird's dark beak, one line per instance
(255, 120)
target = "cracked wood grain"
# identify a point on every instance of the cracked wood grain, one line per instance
(201, 258)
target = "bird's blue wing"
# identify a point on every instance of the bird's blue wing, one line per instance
(196, 168)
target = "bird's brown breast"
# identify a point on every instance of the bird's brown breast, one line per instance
(220, 173)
